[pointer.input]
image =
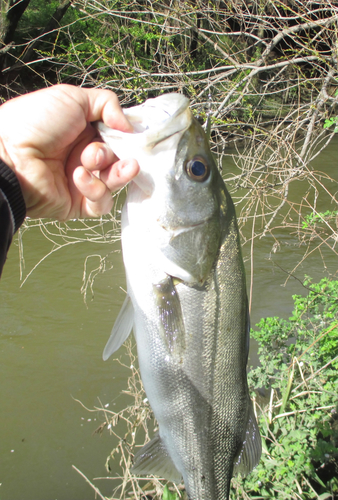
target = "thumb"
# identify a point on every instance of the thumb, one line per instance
(104, 105)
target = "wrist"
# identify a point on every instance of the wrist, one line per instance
(4, 150)
(10, 187)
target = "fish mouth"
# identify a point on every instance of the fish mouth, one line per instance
(152, 145)
(159, 119)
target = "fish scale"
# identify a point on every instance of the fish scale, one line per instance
(186, 302)
(228, 404)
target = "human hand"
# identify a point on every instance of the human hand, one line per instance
(47, 139)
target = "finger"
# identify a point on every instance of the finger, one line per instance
(104, 105)
(120, 173)
(97, 156)
(97, 199)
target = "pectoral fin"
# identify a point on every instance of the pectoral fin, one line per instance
(121, 329)
(251, 449)
(153, 458)
(171, 318)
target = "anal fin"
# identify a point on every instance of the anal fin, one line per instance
(153, 458)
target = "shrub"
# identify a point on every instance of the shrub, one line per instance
(299, 420)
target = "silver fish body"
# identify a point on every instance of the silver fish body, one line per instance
(187, 304)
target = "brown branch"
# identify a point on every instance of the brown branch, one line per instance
(295, 29)
(6, 48)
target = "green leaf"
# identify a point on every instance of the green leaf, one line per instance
(323, 496)
(169, 495)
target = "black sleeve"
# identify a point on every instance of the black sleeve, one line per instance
(12, 209)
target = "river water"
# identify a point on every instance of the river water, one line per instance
(51, 346)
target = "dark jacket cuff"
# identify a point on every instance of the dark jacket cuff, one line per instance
(10, 187)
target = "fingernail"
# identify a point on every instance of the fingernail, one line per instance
(100, 156)
(87, 177)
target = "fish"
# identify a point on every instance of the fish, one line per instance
(186, 301)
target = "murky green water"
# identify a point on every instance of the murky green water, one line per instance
(50, 354)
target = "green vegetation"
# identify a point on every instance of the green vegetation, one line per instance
(299, 423)
(169, 495)
(315, 218)
(332, 121)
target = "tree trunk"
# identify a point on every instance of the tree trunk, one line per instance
(14, 13)
(51, 25)
(8, 24)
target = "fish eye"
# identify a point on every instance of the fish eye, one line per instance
(197, 169)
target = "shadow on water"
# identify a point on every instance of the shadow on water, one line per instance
(51, 354)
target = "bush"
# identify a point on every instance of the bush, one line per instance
(299, 422)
